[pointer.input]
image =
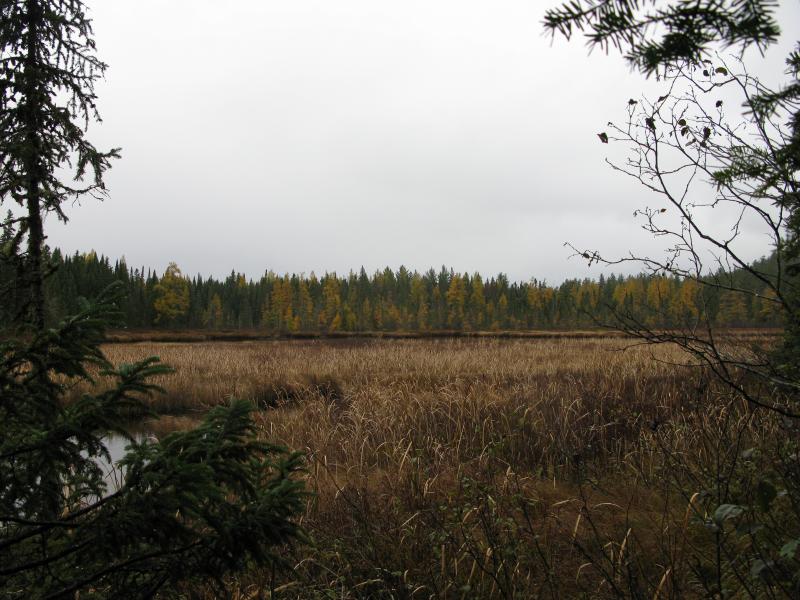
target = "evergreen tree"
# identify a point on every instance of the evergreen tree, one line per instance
(654, 37)
(47, 76)
(193, 506)
(287, 305)
(9, 267)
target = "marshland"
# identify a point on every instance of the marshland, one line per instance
(516, 425)
(490, 468)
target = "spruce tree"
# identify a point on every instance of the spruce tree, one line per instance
(47, 99)
(194, 506)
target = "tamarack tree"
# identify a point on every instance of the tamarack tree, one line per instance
(193, 506)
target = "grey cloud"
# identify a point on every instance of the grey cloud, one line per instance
(318, 135)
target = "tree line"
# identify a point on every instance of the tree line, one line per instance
(401, 300)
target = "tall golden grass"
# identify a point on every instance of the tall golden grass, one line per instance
(477, 468)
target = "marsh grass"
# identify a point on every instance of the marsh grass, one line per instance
(479, 468)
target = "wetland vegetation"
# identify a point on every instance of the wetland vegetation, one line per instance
(496, 468)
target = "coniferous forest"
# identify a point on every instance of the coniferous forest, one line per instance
(399, 300)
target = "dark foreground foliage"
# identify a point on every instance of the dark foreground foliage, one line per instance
(193, 506)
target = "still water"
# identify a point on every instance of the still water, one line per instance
(116, 445)
(140, 431)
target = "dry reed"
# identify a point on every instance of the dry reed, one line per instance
(470, 468)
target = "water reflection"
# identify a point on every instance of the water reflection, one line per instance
(116, 445)
(148, 429)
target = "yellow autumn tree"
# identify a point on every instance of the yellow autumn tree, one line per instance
(172, 296)
(502, 311)
(392, 318)
(767, 308)
(732, 309)
(659, 296)
(686, 307)
(332, 304)
(456, 300)
(350, 318)
(477, 302)
(540, 302)
(305, 307)
(281, 301)
(419, 302)
(212, 318)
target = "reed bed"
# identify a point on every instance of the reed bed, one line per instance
(476, 468)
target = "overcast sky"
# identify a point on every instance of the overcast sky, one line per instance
(325, 135)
